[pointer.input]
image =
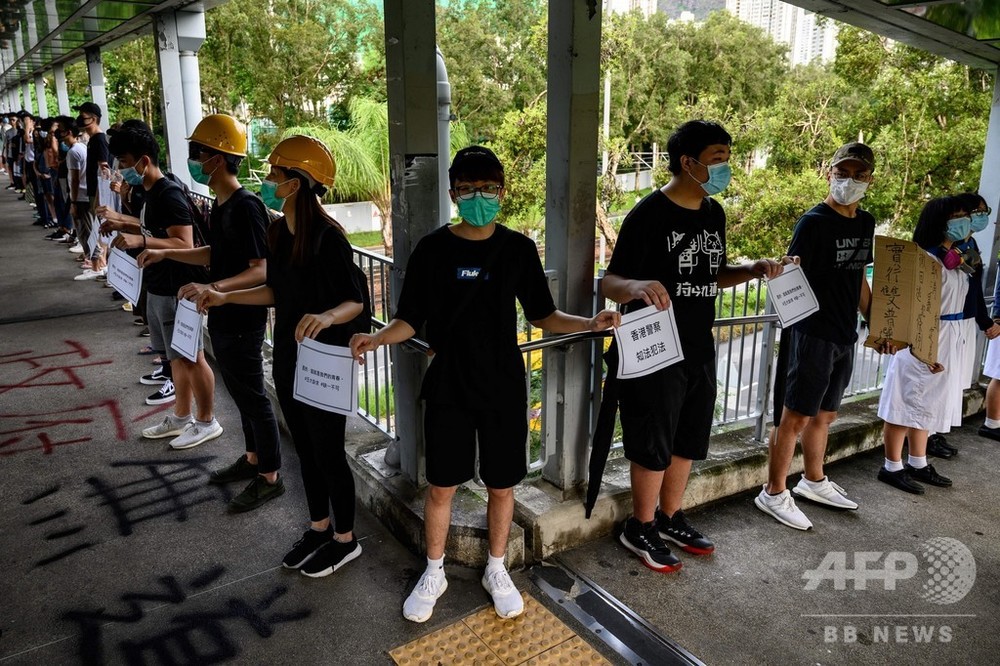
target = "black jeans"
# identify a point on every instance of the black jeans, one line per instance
(319, 441)
(242, 367)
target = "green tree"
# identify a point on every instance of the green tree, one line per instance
(520, 145)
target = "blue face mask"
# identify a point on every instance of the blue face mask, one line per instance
(959, 228)
(719, 176)
(477, 210)
(980, 221)
(63, 146)
(130, 176)
(268, 192)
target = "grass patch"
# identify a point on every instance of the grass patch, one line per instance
(365, 238)
(377, 402)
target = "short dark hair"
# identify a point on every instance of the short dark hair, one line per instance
(136, 142)
(67, 124)
(475, 163)
(933, 221)
(692, 138)
(971, 201)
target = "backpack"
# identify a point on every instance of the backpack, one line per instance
(199, 207)
(363, 322)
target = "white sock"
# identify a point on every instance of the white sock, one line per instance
(435, 567)
(495, 563)
(992, 423)
(893, 465)
(918, 462)
(813, 484)
(205, 423)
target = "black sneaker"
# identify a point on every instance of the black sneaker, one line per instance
(154, 378)
(306, 547)
(256, 494)
(163, 396)
(241, 470)
(678, 530)
(900, 480)
(645, 542)
(331, 557)
(929, 475)
(990, 433)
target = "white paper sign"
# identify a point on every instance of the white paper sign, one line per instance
(326, 377)
(124, 275)
(187, 330)
(647, 341)
(791, 296)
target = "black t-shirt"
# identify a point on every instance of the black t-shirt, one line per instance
(834, 251)
(97, 152)
(166, 206)
(237, 234)
(472, 323)
(324, 281)
(683, 249)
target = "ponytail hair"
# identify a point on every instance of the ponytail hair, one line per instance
(310, 219)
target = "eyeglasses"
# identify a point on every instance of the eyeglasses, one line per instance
(487, 191)
(981, 211)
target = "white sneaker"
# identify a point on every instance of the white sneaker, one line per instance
(171, 426)
(419, 606)
(76, 249)
(90, 274)
(507, 601)
(196, 433)
(782, 508)
(825, 492)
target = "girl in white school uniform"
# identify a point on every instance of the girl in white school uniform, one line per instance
(918, 398)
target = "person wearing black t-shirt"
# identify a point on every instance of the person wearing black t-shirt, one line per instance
(461, 283)
(312, 285)
(671, 252)
(816, 357)
(98, 157)
(236, 255)
(166, 218)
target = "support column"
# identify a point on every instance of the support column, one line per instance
(989, 187)
(190, 37)
(172, 93)
(62, 95)
(413, 165)
(95, 74)
(29, 106)
(574, 50)
(43, 99)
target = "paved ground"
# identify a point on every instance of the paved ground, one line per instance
(113, 549)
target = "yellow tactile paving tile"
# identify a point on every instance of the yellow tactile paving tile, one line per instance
(536, 637)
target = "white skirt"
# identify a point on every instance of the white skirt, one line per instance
(914, 397)
(991, 368)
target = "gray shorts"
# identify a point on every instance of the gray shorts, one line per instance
(160, 313)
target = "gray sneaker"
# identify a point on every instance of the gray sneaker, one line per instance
(171, 426)
(196, 433)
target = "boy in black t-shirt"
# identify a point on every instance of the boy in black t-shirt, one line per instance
(671, 252)
(166, 217)
(461, 283)
(816, 357)
(236, 255)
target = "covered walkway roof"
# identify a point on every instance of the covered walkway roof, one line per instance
(40, 34)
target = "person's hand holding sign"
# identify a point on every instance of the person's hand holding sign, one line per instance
(128, 241)
(210, 299)
(150, 257)
(192, 290)
(651, 292)
(602, 321)
(311, 324)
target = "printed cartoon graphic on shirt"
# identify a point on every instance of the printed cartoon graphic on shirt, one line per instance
(674, 240)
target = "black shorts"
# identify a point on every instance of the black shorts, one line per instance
(668, 412)
(451, 434)
(811, 374)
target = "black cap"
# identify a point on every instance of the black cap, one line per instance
(474, 158)
(91, 108)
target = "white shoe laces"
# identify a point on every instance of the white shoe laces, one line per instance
(500, 582)
(428, 585)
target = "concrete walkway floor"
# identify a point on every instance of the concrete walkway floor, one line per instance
(113, 549)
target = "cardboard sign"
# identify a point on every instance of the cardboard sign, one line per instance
(906, 298)
(647, 341)
(326, 377)
(791, 296)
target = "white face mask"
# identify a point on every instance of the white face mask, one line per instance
(846, 191)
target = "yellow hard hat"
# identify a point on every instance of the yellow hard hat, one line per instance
(222, 133)
(308, 155)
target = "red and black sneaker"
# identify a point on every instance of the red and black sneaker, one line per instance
(645, 542)
(678, 530)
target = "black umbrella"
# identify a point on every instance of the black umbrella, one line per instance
(604, 430)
